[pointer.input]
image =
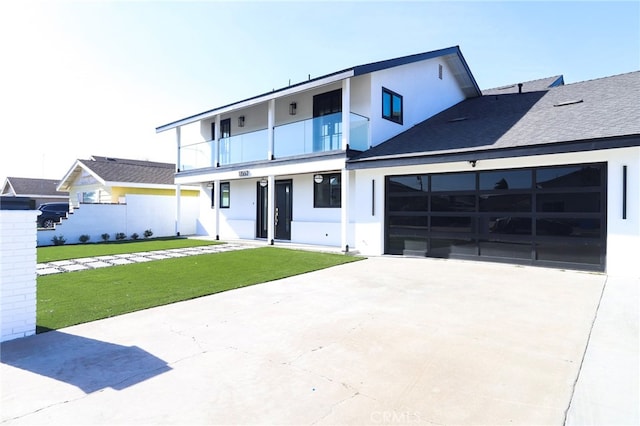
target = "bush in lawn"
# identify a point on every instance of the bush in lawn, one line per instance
(84, 238)
(121, 236)
(135, 236)
(105, 237)
(148, 233)
(58, 240)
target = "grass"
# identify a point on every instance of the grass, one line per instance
(78, 297)
(53, 253)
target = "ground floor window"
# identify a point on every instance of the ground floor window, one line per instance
(225, 195)
(545, 215)
(327, 190)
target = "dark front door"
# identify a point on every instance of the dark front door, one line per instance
(327, 121)
(283, 211)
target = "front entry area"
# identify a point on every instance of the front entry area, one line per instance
(283, 213)
(547, 216)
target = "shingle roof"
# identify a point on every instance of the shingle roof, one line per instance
(527, 86)
(131, 171)
(33, 187)
(594, 109)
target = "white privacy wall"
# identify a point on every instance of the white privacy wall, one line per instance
(18, 273)
(141, 212)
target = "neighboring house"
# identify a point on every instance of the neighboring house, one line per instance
(106, 180)
(40, 190)
(409, 157)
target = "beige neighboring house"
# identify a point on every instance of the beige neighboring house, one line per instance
(107, 180)
(40, 190)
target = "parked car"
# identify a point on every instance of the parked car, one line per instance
(52, 213)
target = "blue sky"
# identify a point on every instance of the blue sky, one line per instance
(96, 78)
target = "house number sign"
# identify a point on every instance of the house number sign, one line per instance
(243, 173)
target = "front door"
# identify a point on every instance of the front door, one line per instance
(283, 211)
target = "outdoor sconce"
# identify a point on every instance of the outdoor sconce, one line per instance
(241, 121)
(264, 182)
(318, 178)
(293, 107)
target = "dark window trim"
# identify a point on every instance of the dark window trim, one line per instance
(392, 95)
(226, 185)
(327, 181)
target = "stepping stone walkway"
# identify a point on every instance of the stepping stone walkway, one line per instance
(86, 263)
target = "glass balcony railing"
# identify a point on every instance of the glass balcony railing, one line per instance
(243, 148)
(319, 134)
(314, 135)
(197, 156)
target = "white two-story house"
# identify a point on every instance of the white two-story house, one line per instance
(408, 157)
(273, 167)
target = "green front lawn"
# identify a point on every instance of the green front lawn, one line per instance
(75, 251)
(76, 297)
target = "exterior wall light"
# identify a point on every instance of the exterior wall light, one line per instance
(264, 182)
(293, 108)
(241, 121)
(318, 178)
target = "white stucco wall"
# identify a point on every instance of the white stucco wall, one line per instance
(423, 95)
(17, 273)
(141, 212)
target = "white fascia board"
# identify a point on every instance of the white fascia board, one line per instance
(146, 185)
(302, 87)
(266, 170)
(65, 183)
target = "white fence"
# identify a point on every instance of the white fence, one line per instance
(17, 273)
(141, 212)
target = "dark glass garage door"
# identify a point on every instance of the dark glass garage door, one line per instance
(548, 216)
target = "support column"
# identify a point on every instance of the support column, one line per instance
(178, 208)
(271, 209)
(344, 210)
(216, 206)
(179, 160)
(216, 145)
(270, 129)
(346, 113)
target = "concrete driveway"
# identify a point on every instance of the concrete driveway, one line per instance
(382, 341)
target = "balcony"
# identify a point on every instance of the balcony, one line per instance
(314, 135)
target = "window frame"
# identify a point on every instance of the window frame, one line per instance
(326, 202)
(391, 116)
(225, 189)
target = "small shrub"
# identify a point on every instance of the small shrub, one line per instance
(105, 237)
(84, 238)
(121, 236)
(148, 233)
(135, 236)
(58, 240)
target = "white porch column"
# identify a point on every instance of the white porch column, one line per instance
(178, 208)
(270, 124)
(344, 210)
(178, 192)
(178, 146)
(216, 146)
(216, 205)
(346, 113)
(271, 209)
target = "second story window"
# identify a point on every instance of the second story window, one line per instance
(391, 106)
